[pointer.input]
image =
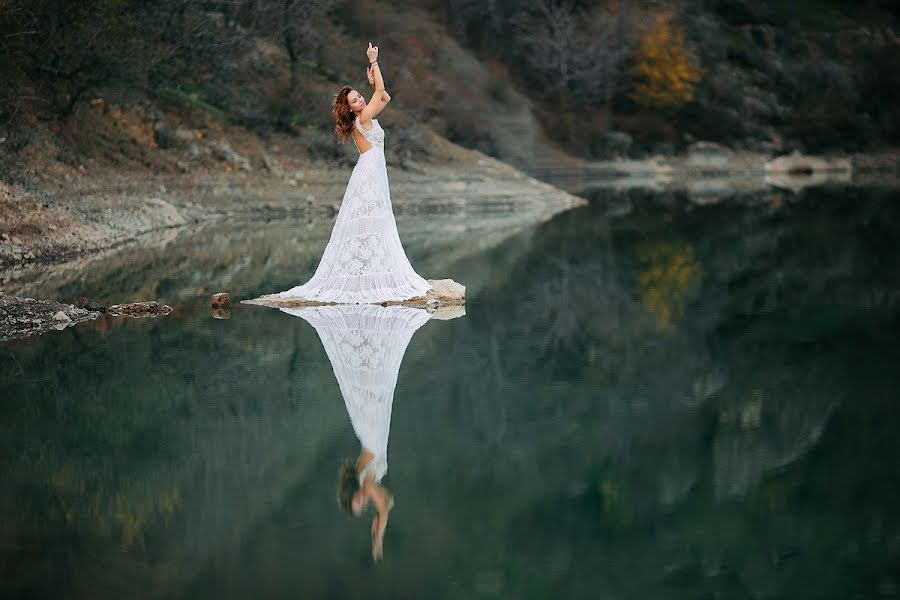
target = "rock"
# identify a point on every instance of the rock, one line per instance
(139, 310)
(443, 293)
(224, 151)
(22, 317)
(221, 300)
(618, 142)
(62, 321)
(709, 154)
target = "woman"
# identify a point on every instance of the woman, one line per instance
(364, 261)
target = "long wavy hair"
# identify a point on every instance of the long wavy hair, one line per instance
(343, 114)
(348, 484)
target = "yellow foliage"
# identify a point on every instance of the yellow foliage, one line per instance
(669, 268)
(666, 70)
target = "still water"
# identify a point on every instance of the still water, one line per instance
(646, 397)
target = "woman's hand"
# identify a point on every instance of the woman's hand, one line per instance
(372, 52)
(370, 75)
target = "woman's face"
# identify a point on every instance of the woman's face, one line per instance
(356, 100)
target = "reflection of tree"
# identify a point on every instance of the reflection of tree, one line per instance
(668, 270)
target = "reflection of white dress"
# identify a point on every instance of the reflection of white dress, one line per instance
(365, 344)
(364, 261)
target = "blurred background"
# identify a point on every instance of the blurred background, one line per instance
(530, 82)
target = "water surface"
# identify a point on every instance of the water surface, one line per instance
(647, 397)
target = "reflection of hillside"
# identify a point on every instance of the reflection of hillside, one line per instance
(175, 470)
(570, 385)
(249, 259)
(555, 442)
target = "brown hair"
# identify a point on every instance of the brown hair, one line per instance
(348, 484)
(343, 114)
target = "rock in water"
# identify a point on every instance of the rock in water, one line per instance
(23, 317)
(139, 310)
(443, 292)
(222, 300)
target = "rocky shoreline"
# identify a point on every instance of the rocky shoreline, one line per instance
(24, 317)
(106, 210)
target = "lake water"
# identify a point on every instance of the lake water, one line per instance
(647, 397)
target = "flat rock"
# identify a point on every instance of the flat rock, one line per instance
(139, 310)
(443, 293)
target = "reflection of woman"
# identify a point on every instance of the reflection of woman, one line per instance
(365, 344)
(359, 485)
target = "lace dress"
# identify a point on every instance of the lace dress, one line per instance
(364, 261)
(366, 344)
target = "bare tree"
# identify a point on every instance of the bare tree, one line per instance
(299, 32)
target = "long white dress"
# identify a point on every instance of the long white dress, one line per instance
(364, 261)
(365, 345)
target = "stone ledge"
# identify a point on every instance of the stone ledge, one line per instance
(443, 293)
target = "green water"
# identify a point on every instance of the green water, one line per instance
(646, 398)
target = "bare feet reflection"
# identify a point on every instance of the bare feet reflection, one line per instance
(365, 344)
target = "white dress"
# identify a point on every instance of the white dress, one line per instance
(366, 344)
(364, 261)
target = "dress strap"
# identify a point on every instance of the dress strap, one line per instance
(366, 134)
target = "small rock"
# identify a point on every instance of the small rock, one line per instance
(5, 237)
(221, 300)
(139, 309)
(15, 240)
